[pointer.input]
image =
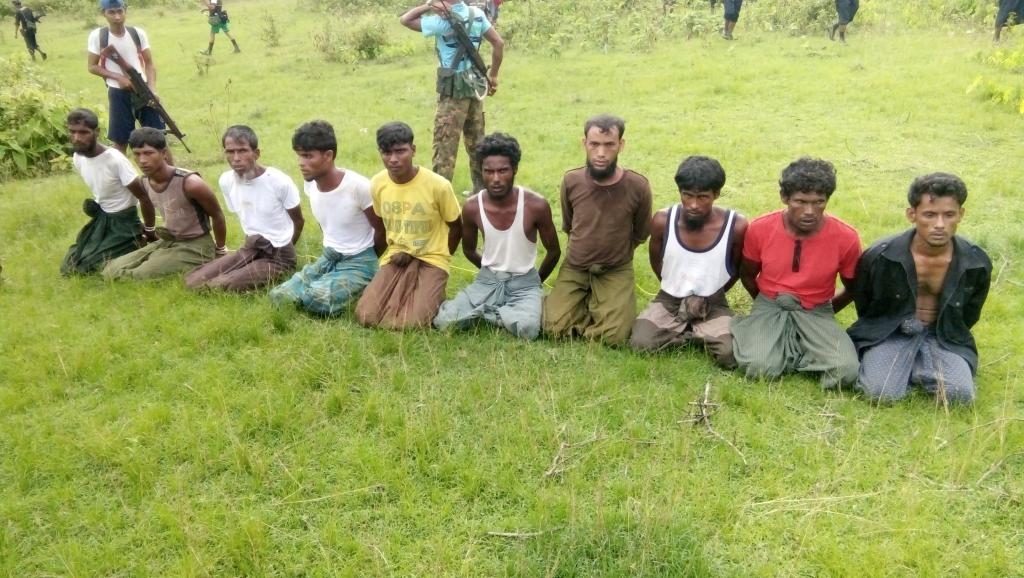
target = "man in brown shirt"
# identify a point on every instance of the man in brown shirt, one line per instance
(606, 211)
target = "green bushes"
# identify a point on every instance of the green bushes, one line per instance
(33, 113)
(1003, 85)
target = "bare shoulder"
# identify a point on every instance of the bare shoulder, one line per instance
(534, 200)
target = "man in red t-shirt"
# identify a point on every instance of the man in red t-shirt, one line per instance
(790, 262)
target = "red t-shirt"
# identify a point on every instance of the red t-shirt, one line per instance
(834, 249)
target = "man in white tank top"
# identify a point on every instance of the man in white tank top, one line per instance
(695, 251)
(507, 291)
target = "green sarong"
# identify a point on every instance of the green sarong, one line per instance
(161, 258)
(779, 336)
(105, 237)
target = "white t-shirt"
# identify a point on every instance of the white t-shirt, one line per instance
(108, 175)
(262, 204)
(125, 47)
(340, 213)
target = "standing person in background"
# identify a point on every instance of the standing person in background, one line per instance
(732, 15)
(460, 109)
(26, 22)
(846, 10)
(1007, 8)
(218, 19)
(133, 46)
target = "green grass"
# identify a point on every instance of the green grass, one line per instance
(146, 431)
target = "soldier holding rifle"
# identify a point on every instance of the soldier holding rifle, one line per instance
(462, 78)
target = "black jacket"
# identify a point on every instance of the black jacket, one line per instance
(885, 293)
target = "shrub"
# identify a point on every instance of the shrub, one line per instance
(269, 33)
(33, 113)
(369, 41)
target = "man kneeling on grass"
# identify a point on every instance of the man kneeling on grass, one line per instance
(114, 228)
(790, 262)
(187, 206)
(917, 295)
(268, 205)
(421, 217)
(695, 252)
(353, 233)
(507, 291)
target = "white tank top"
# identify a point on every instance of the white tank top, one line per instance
(509, 251)
(686, 271)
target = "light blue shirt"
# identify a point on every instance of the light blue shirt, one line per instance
(446, 44)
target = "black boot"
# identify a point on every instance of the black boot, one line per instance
(832, 33)
(209, 50)
(237, 49)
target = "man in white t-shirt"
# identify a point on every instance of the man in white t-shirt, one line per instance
(268, 205)
(354, 235)
(133, 46)
(114, 228)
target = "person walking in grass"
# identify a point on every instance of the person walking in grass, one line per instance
(695, 252)
(460, 88)
(918, 294)
(133, 46)
(114, 228)
(421, 219)
(218, 19)
(732, 16)
(1010, 12)
(188, 207)
(846, 10)
(507, 290)
(26, 23)
(790, 262)
(269, 208)
(606, 211)
(354, 235)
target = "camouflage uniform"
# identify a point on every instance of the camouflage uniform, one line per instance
(455, 116)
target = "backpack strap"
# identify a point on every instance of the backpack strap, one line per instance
(105, 40)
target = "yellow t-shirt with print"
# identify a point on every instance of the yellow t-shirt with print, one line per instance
(416, 215)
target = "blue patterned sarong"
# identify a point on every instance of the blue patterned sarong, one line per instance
(328, 285)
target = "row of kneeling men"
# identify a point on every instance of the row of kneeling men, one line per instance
(388, 243)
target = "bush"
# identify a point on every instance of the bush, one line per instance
(370, 41)
(33, 113)
(269, 33)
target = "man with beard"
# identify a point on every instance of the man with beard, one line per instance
(114, 228)
(917, 296)
(695, 252)
(507, 291)
(353, 233)
(268, 205)
(790, 262)
(187, 206)
(421, 217)
(606, 211)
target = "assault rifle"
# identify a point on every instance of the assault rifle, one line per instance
(144, 93)
(466, 48)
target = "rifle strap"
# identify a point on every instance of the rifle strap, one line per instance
(466, 25)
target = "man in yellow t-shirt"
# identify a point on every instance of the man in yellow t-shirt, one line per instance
(421, 218)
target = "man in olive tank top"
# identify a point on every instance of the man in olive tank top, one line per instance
(695, 252)
(507, 291)
(188, 208)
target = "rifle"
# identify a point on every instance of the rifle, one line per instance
(468, 50)
(145, 93)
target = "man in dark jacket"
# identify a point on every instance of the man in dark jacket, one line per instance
(917, 296)
(26, 23)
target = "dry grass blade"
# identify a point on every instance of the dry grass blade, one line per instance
(702, 416)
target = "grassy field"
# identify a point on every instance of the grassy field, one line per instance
(146, 431)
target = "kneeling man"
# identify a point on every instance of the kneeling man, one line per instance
(695, 251)
(187, 206)
(268, 205)
(790, 262)
(421, 217)
(114, 228)
(917, 296)
(507, 291)
(353, 233)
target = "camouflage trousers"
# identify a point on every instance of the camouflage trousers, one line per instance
(457, 116)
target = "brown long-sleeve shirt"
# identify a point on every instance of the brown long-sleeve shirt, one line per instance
(605, 223)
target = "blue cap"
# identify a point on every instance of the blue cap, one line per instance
(111, 4)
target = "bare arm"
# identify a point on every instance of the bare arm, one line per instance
(739, 232)
(470, 216)
(844, 296)
(95, 68)
(146, 206)
(548, 237)
(380, 235)
(659, 224)
(298, 221)
(497, 53)
(196, 189)
(411, 19)
(150, 66)
(454, 235)
(749, 270)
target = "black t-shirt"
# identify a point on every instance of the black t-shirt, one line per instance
(25, 16)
